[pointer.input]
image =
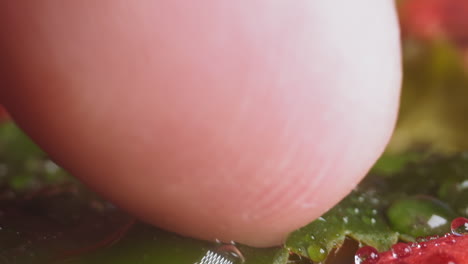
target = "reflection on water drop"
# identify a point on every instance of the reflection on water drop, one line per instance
(231, 252)
(366, 255)
(401, 250)
(436, 221)
(459, 226)
(414, 245)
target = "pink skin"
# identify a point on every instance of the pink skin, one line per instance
(237, 120)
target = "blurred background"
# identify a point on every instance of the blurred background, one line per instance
(434, 104)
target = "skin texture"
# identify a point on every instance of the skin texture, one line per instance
(236, 120)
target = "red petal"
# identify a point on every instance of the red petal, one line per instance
(449, 249)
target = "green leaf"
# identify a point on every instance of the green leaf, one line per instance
(358, 216)
(24, 167)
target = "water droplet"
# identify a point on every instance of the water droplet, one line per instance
(345, 219)
(231, 252)
(312, 237)
(401, 250)
(322, 219)
(356, 210)
(366, 255)
(317, 253)
(374, 211)
(459, 226)
(421, 239)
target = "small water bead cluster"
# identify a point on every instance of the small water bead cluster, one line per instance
(400, 251)
(366, 255)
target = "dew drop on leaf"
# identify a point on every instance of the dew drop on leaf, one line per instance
(366, 255)
(459, 226)
(317, 253)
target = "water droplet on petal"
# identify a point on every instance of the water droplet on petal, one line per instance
(366, 255)
(459, 226)
(421, 239)
(401, 250)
